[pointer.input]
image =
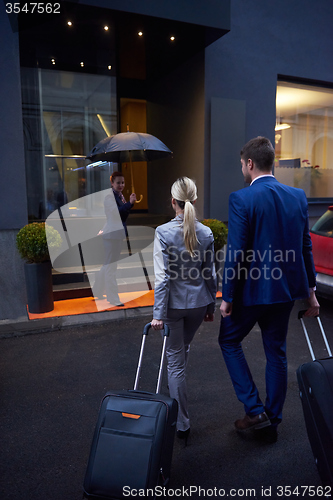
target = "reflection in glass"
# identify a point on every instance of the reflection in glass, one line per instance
(82, 247)
(64, 115)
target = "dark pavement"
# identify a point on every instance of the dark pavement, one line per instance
(52, 384)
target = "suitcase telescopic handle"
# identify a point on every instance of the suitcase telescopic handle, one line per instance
(160, 371)
(302, 312)
(148, 326)
(300, 317)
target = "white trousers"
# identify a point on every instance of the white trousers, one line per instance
(183, 324)
(106, 278)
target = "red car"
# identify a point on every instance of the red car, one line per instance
(322, 248)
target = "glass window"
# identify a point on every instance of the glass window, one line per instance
(304, 138)
(64, 115)
(68, 80)
(324, 225)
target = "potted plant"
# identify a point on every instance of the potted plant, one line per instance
(220, 233)
(219, 230)
(33, 242)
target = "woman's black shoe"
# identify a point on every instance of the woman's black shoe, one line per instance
(184, 435)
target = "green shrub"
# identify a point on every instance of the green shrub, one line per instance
(32, 243)
(219, 230)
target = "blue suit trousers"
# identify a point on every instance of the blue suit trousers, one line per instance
(273, 321)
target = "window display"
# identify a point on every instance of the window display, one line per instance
(304, 138)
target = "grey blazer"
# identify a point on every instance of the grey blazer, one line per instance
(182, 281)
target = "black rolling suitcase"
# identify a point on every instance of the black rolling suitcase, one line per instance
(132, 446)
(315, 380)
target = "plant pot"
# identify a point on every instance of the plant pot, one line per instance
(38, 279)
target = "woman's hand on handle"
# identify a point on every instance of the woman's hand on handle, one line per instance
(157, 324)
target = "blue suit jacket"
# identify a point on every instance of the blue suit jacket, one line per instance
(269, 252)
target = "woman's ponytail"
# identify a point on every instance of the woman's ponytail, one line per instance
(184, 191)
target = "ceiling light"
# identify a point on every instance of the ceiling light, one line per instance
(172, 38)
(104, 125)
(281, 126)
(109, 67)
(106, 28)
(65, 156)
(140, 33)
(70, 23)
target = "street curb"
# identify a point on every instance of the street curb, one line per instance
(23, 326)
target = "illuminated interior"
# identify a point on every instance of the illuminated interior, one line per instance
(304, 138)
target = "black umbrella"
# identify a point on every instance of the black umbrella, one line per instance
(128, 147)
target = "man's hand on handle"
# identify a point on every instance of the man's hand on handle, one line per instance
(314, 306)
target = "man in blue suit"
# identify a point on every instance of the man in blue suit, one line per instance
(268, 266)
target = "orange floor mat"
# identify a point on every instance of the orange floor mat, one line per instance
(87, 305)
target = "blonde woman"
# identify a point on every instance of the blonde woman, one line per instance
(185, 287)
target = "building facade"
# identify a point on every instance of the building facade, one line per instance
(204, 77)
